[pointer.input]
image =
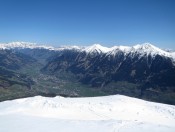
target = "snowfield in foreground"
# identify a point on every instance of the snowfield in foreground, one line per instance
(96, 114)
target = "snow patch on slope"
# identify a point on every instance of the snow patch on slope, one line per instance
(61, 48)
(173, 55)
(115, 49)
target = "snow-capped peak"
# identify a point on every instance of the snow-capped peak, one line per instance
(148, 48)
(144, 46)
(97, 48)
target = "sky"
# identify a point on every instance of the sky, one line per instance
(85, 22)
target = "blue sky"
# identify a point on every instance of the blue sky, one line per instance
(84, 22)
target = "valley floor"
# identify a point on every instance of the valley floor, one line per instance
(104, 114)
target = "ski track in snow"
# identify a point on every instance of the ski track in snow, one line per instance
(105, 114)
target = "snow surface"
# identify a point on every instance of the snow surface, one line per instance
(104, 114)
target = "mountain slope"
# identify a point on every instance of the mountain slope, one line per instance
(13, 82)
(20, 75)
(105, 114)
(10, 64)
(150, 70)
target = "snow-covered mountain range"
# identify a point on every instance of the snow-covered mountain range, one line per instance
(105, 114)
(23, 45)
(142, 49)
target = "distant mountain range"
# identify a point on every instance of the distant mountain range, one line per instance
(142, 71)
